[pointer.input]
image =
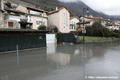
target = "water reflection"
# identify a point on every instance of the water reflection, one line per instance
(4, 77)
(51, 48)
(59, 58)
(77, 52)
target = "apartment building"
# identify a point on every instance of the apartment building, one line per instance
(61, 19)
(35, 17)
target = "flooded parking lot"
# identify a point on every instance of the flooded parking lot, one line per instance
(94, 61)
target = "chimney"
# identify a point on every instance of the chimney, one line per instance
(2, 4)
(56, 8)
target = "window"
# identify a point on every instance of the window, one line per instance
(40, 14)
(48, 17)
(42, 19)
(64, 14)
(54, 22)
(38, 22)
(55, 15)
(64, 23)
(74, 22)
(30, 18)
(10, 24)
(43, 23)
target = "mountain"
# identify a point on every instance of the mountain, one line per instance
(45, 4)
(76, 8)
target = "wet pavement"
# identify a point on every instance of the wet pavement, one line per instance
(93, 61)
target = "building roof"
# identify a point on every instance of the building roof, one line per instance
(92, 17)
(85, 22)
(74, 17)
(97, 18)
(55, 11)
(36, 9)
(115, 25)
(16, 11)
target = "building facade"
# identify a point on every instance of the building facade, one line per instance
(61, 19)
(1, 14)
(35, 17)
(73, 23)
(12, 19)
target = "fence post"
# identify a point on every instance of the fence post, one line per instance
(17, 48)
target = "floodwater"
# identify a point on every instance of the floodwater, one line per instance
(93, 61)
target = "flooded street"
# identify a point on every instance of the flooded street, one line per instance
(93, 61)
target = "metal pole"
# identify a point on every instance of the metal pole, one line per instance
(17, 50)
(83, 26)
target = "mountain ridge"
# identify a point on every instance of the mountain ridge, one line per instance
(74, 7)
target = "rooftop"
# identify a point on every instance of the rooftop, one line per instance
(55, 11)
(74, 17)
(85, 22)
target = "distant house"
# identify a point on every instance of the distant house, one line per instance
(73, 23)
(61, 19)
(1, 14)
(113, 27)
(35, 17)
(12, 18)
(117, 22)
(94, 19)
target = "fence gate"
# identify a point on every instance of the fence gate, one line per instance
(50, 38)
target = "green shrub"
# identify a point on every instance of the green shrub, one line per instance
(53, 28)
(42, 27)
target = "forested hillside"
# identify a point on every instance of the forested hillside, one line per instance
(45, 4)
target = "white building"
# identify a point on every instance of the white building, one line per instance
(73, 23)
(12, 19)
(113, 27)
(94, 19)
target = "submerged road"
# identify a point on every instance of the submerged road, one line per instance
(93, 61)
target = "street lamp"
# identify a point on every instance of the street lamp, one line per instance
(83, 28)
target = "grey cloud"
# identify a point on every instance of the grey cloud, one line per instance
(110, 7)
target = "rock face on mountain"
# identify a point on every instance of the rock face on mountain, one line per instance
(77, 8)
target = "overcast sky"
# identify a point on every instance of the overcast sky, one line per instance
(110, 7)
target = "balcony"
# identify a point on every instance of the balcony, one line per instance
(23, 18)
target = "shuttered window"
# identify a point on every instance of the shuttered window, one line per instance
(10, 24)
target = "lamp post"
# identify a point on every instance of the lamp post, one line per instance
(83, 28)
